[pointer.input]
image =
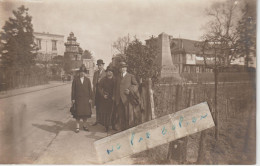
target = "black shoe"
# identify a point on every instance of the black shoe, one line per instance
(95, 124)
(85, 128)
(77, 130)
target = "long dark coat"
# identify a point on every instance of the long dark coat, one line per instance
(127, 112)
(97, 97)
(106, 87)
(82, 93)
(122, 83)
(96, 79)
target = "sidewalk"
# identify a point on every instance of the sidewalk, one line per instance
(69, 147)
(15, 92)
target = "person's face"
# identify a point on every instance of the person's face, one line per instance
(109, 73)
(81, 74)
(123, 69)
(100, 66)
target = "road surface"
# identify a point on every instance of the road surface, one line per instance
(37, 128)
(30, 122)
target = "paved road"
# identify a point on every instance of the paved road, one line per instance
(37, 128)
(30, 122)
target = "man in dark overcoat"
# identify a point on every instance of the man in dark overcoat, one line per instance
(125, 84)
(98, 75)
(82, 97)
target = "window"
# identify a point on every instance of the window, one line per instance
(197, 69)
(54, 45)
(39, 43)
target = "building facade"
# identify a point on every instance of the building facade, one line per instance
(183, 54)
(90, 66)
(48, 45)
(186, 56)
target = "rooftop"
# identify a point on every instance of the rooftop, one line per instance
(47, 34)
(189, 46)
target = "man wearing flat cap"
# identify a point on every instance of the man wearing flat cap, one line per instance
(98, 75)
(125, 84)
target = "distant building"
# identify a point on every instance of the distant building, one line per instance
(186, 57)
(48, 45)
(74, 56)
(252, 62)
(184, 54)
(72, 48)
(90, 66)
(72, 52)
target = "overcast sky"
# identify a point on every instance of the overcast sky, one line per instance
(97, 23)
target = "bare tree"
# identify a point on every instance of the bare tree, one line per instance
(221, 31)
(121, 44)
(220, 41)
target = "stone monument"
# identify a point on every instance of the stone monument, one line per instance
(165, 58)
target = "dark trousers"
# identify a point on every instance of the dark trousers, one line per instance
(97, 103)
(123, 115)
(114, 116)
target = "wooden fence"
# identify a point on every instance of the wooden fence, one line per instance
(170, 98)
(12, 81)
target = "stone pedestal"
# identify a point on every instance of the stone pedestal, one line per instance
(165, 58)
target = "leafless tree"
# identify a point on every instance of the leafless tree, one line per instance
(121, 44)
(221, 31)
(219, 43)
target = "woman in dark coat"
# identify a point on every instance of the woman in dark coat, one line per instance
(106, 87)
(82, 97)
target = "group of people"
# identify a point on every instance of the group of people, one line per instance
(115, 97)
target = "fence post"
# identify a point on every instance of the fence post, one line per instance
(151, 101)
(202, 139)
(177, 98)
(227, 108)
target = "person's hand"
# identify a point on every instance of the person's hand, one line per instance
(72, 102)
(105, 96)
(90, 101)
(127, 91)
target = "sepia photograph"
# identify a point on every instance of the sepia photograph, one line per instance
(128, 82)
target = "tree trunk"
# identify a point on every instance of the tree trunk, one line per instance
(216, 105)
(202, 139)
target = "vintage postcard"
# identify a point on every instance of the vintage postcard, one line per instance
(128, 82)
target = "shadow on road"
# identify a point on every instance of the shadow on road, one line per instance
(57, 126)
(95, 132)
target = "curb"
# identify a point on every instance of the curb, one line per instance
(11, 95)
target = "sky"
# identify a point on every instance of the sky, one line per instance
(98, 23)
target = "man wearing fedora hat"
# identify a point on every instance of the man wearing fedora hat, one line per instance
(98, 75)
(125, 83)
(81, 97)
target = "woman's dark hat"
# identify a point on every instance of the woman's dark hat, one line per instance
(82, 69)
(100, 61)
(122, 64)
(109, 68)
